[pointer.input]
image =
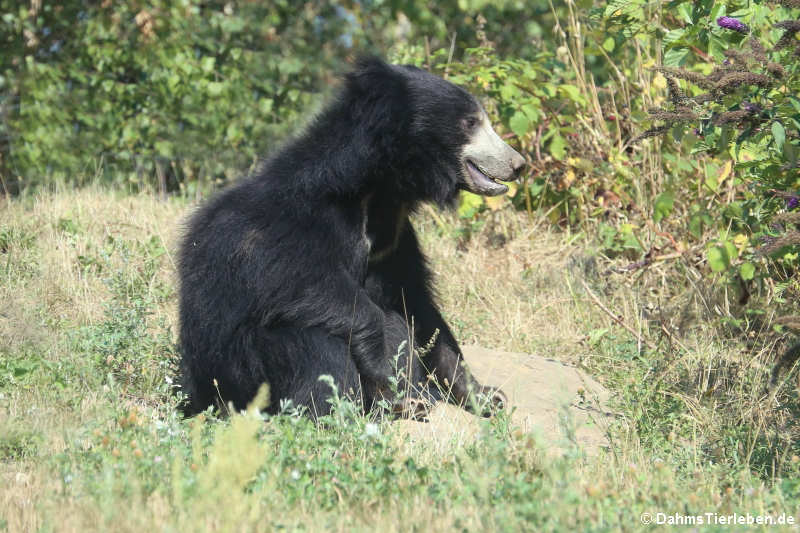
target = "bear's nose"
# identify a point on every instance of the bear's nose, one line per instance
(518, 164)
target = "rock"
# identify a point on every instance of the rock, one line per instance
(548, 398)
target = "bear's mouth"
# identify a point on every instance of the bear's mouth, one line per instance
(481, 183)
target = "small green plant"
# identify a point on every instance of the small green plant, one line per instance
(127, 346)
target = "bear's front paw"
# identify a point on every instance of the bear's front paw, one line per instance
(491, 399)
(411, 408)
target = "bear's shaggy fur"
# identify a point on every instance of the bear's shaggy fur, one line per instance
(311, 266)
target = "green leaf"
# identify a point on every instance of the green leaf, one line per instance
(537, 186)
(718, 259)
(531, 112)
(509, 92)
(730, 250)
(696, 226)
(573, 93)
(470, 204)
(685, 11)
(163, 148)
(558, 147)
(672, 37)
(716, 47)
(663, 205)
(207, 64)
(779, 134)
(717, 10)
(747, 271)
(629, 240)
(615, 8)
(608, 44)
(265, 105)
(215, 88)
(596, 335)
(675, 57)
(711, 182)
(795, 103)
(519, 124)
(233, 133)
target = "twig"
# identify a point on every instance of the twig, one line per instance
(647, 261)
(6, 192)
(435, 216)
(553, 302)
(450, 56)
(427, 54)
(700, 53)
(615, 318)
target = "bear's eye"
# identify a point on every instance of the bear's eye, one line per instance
(470, 123)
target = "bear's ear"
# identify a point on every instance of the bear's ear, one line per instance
(373, 75)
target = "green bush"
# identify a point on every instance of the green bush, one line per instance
(177, 90)
(177, 93)
(738, 103)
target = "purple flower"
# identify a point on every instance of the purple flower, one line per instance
(731, 23)
(792, 203)
(751, 108)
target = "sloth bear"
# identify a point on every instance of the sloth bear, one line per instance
(311, 267)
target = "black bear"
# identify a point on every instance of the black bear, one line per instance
(311, 267)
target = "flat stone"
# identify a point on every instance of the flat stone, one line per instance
(557, 403)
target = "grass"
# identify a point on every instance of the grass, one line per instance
(90, 439)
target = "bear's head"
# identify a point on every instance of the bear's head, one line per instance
(435, 135)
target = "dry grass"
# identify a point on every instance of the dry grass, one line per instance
(514, 296)
(46, 293)
(66, 226)
(701, 427)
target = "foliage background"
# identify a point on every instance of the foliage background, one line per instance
(185, 92)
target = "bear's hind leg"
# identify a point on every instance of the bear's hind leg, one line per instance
(289, 360)
(294, 360)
